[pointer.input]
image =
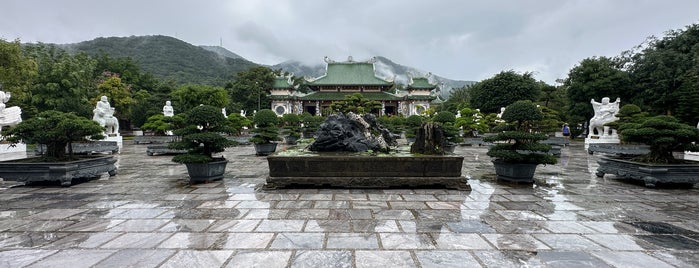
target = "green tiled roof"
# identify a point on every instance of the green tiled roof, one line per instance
(421, 97)
(422, 83)
(350, 73)
(337, 96)
(281, 82)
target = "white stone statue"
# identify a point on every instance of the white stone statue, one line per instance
(605, 112)
(223, 110)
(168, 111)
(104, 115)
(8, 116)
(242, 113)
(502, 111)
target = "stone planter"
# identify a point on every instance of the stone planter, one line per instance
(263, 149)
(153, 139)
(64, 172)
(158, 149)
(650, 174)
(353, 171)
(623, 150)
(202, 172)
(88, 148)
(515, 172)
(291, 140)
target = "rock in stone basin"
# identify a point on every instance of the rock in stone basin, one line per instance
(352, 133)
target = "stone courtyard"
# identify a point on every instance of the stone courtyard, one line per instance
(148, 216)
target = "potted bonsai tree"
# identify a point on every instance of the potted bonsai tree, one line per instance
(265, 132)
(291, 125)
(201, 137)
(57, 131)
(412, 124)
(310, 124)
(451, 131)
(160, 128)
(518, 150)
(665, 135)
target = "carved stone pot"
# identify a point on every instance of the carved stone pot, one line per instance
(202, 172)
(515, 172)
(263, 149)
(650, 174)
(64, 172)
(291, 140)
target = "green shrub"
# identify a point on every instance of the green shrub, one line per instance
(266, 130)
(664, 134)
(201, 135)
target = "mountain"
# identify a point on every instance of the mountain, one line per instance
(385, 68)
(222, 52)
(170, 58)
(173, 59)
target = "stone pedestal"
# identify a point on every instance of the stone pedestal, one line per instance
(117, 138)
(8, 152)
(601, 139)
(693, 156)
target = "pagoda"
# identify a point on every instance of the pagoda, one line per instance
(346, 78)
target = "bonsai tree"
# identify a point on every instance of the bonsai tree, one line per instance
(664, 134)
(472, 122)
(310, 123)
(291, 125)
(238, 123)
(160, 124)
(448, 121)
(412, 124)
(200, 135)
(266, 130)
(57, 130)
(521, 145)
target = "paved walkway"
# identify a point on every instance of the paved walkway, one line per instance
(147, 216)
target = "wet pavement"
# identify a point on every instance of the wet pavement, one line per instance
(148, 216)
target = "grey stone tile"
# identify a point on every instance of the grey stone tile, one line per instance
(139, 225)
(280, 226)
(567, 242)
(382, 258)
(266, 214)
(42, 226)
(22, 257)
(298, 241)
(470, 226)
(406, 241)
(325, 258)
(198, 258)
(29, 239)
(261, 259)
(568, 227)
(515, 242)
(136, 258)
(302, 214)
(94, 225)
(446, 259)
(508, 258)
(186, 225)
(137, 240)
(74, 258)
(460, 241)
(565, 259)
(615, 242)
(55, 214)
(629, 259)
(330, 226)
(191, 240)
(371, 226)
(331, 204)
(352, 241)
(233, 225)
(248, 240)
(394, 214)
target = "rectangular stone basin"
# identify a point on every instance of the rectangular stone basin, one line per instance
(353, 171)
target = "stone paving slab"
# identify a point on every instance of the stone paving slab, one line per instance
(149, 216)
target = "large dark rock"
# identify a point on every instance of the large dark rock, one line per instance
(429, 140)
(352, 133)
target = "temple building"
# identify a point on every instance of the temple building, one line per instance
(346, 78)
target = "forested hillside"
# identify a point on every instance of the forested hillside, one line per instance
(168, 58)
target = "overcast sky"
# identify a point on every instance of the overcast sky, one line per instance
(465, 40)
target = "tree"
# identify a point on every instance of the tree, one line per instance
(595, 78)
(118, 94)
(189, 96)
(503, 89)
(664, 134)
(249, 89)
(665, 72)
(355, 103)
(459, 99)
(57, 130)
(65, 82)
(17, 72)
